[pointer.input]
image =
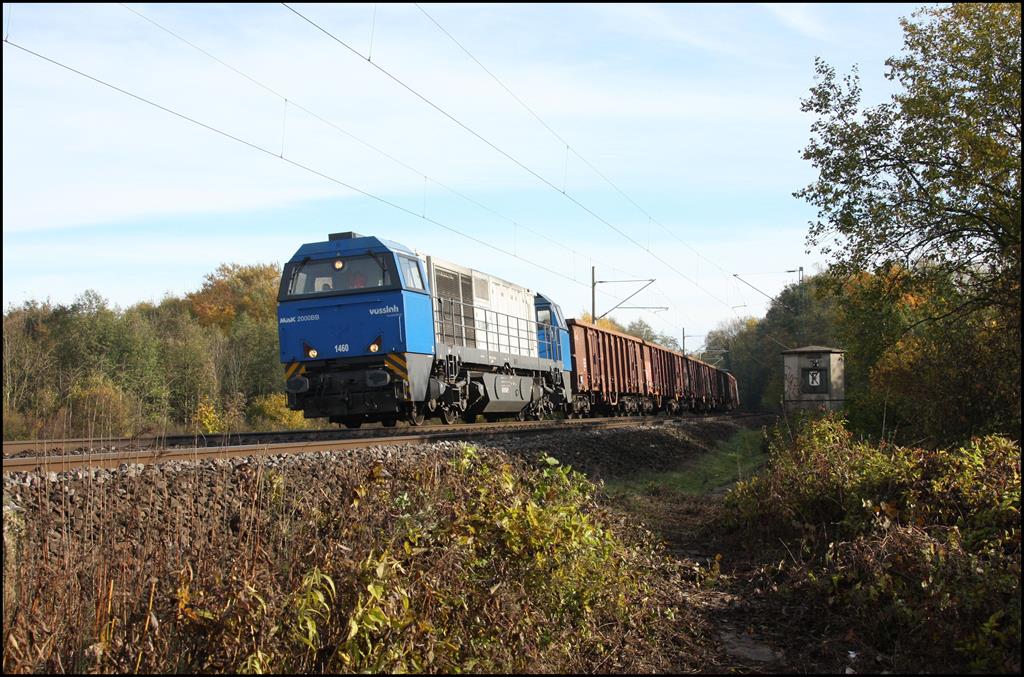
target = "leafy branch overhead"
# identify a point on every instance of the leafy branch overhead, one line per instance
(929, 180)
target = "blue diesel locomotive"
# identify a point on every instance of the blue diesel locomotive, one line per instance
(369, 331)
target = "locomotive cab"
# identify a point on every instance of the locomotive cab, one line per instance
(353, 320)
(552, 332)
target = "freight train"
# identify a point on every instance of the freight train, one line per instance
(371, 331)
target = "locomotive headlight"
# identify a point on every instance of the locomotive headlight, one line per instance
(374, 347)
(311, 353)
(339, 264)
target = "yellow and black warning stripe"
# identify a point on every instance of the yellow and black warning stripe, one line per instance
(395, 363)
(294, 369)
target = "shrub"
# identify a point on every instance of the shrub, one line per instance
(208, 417)
(19, 426)
(271, 412)
(921, 547)
(98, 407)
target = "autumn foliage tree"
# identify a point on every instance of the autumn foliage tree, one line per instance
(602, 322)
(235, 290)
(205, 363)
(919, 204)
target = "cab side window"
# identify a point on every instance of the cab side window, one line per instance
(411, 273)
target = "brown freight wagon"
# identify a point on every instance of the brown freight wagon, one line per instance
(611, 370)
(617, 373)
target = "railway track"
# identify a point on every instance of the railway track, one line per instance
(59, 455)
(147, 442)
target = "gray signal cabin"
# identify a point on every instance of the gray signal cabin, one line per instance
(813, 378)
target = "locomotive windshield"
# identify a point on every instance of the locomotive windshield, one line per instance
(337, 275)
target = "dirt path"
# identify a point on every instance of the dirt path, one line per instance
(753, 621)
(743, 592)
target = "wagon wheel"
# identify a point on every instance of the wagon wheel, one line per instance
(389, 422)
(352, 423)
(448, 415)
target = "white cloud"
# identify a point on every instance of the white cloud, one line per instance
(802, 18)
(655, 21)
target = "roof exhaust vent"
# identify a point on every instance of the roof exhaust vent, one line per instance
(343, 236)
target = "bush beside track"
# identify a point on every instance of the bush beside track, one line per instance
(918, 551)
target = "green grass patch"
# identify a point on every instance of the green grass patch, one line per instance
(732, 460)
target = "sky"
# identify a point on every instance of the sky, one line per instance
(645, 141)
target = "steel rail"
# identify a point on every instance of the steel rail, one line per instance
(113, 459)
(142, 442)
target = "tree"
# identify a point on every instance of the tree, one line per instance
(235, 289)
(919, 209)
(91, 369)
(602, 322)
(800, 315)
(932, 176)
(943, 381)
(646, 332)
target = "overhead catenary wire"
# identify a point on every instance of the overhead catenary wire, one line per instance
(568, 147)
(507, 155)
(291, 102)
(281, 153)
(283, 158)
(353, 136)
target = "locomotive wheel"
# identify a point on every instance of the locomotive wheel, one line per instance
(491, 418)
(352, 423)
(389, 422)
(448, 415)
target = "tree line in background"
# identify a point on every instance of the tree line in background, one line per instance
(204, 363)
(637, 328)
